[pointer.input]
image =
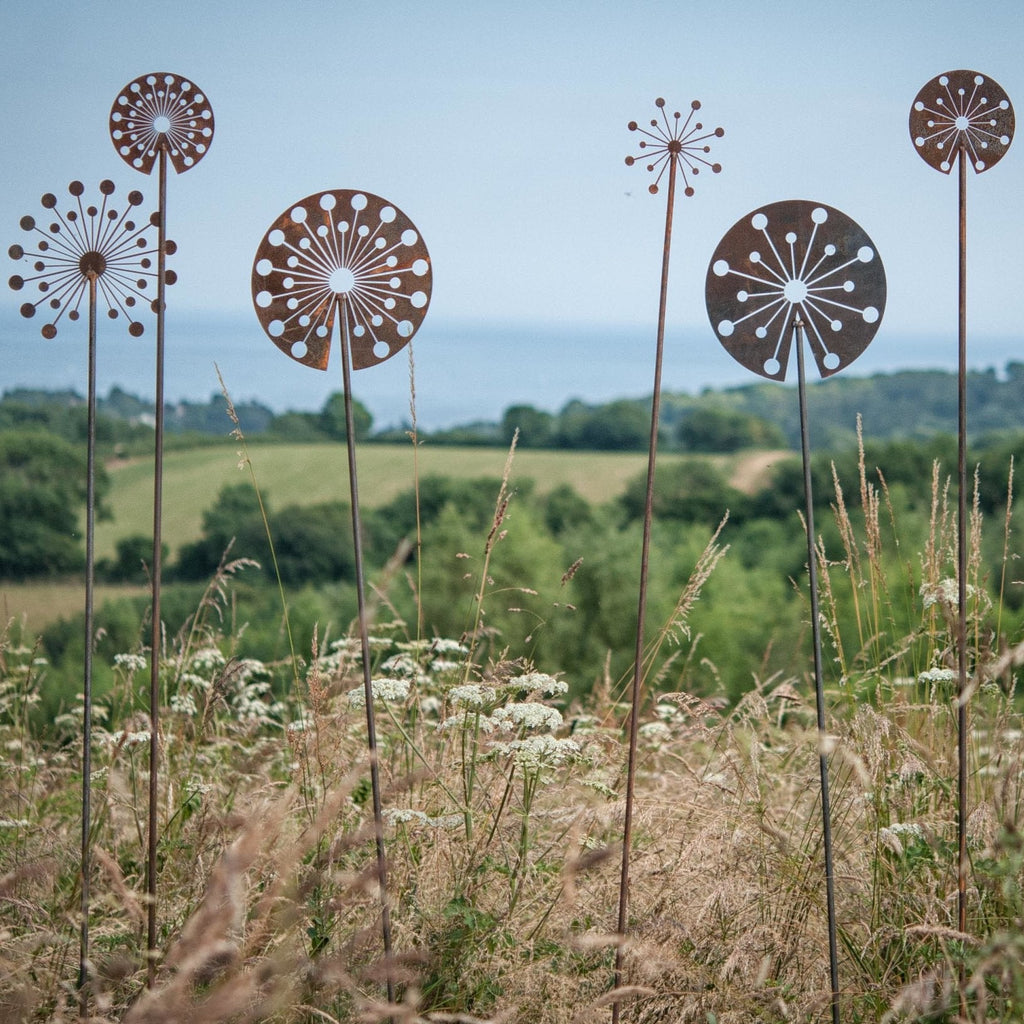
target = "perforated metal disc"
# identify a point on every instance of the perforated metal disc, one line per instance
(156, 107)
(788, 257)
(348, 250)
(962, 108)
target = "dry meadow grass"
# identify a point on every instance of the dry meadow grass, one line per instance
(503, 812)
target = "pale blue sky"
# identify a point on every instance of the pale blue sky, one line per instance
(500, 129)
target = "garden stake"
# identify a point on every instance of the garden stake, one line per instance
(155, 118)
(100, 253)
(354, 257)
(958, 117)
(808, 269)
(678, 149)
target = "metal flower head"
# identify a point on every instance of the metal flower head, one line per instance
(671, 142)
(341, 250)
(961, 110)
(89, 243)
(161, 109)
(791, 257)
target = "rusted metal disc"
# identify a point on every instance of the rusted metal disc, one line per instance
(341, 249)
(82, 242)
(158, 108)
(788, 257)
(962, 109)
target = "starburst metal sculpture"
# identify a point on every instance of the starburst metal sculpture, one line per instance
(787, 274)
(91, 254)
(158, 119)
(966, 118)
(680, 150)
(351, 259)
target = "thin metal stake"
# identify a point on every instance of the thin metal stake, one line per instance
(819, 687)
(90, 551)
(364, 640)
(961, 639)
(156, 572)
(638, 666)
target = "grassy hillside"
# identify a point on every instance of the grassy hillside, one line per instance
(311, 473)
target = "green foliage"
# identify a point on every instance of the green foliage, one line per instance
(131, 563)
(41, 502)
(716, 430)
(691, 490)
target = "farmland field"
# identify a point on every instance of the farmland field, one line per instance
(310, 473)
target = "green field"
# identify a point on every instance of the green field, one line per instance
(309, 473)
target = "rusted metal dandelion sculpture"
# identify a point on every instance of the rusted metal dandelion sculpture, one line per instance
(791, 275)
(158, 119)
(354, 260)
(88, 255)
(679, 148)
(962, 118)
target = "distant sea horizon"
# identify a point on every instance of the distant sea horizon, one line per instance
(464, 372)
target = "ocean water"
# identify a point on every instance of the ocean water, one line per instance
(463, 372)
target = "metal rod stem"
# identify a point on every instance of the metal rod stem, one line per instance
(961, 640)
(364, 639)
(156, 572)
(90, 561)
(638, 663)
(819, 686)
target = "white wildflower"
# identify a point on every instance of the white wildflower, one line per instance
(403, 666)
(430, 705)
(131, 663)
(668, 712)
(183, 704)
(194, 681)
(14, 822)
(470, 720)
(527, 716)
(538, 682)
(442, 645)
(441, 665)
(536, 752)
(655, 733)
(472, 695)
(937, 675)
(403, 815)
(207, 660)
(895, 834)
(129, 739)
(383, 689)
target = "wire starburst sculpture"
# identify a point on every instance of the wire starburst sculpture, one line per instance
(88, 243)
(791, 256)
(348, 250)
(962, 110)
(156, 110)
(675, 143)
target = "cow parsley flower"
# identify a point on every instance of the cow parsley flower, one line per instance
(384, 689)
(513, 717)
(536, 752)
(473, 695)
(538, 682)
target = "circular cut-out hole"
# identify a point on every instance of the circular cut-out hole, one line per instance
(359, 201)
(405, 328)
(409, 237)
(298, 214)
(772, 367)
(819, 215)
(795, 291)
(865, 254)
(276, 237)
(831, 361)
(264, 299)
(871, 315)
(720, 268)
(759, 222)
(761, 333)
(275, 328)
(382, 350)
(836, 325)
(418, 299)
(341, 280)
(742, 296)
(388, 214)
(264, 267)
(298, 350)
(161, 124)
(725, 328)
(328, 201)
